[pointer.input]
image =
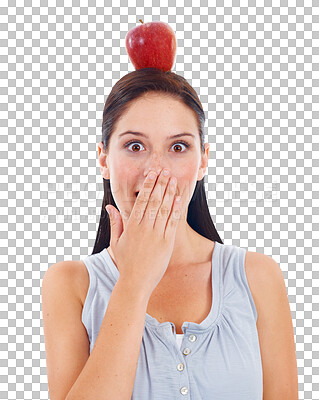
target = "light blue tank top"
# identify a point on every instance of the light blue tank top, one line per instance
(216, 359)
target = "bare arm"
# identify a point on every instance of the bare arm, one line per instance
(275, 327)
(110, 371)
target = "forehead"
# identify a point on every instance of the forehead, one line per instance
(156, 111)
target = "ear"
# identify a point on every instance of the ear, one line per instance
(105, 172)
(204, 163)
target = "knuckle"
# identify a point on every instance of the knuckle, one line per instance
(166, 207)
(164, 211)
(173, 220)
(172, 187)
(155, 201)
(142, 200)
(163, 181)
(152, 214)
(148, 185)
(144, 194)
(138, 214)
(177, 215)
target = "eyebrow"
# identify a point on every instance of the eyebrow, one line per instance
(168, 137)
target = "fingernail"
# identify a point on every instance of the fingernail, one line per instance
(165, 172)
(152, 175)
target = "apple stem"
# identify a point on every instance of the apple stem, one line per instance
(141, 21)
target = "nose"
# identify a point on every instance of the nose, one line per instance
(157, 169)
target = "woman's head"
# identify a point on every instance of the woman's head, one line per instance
(130, 156)
(157, 105)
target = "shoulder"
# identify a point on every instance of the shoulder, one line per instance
(264, 276)
(71, 275)
(274, 325)
(260, 266)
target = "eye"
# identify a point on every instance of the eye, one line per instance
(187, 145)
(131, 142)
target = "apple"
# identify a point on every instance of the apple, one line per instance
(151, 45)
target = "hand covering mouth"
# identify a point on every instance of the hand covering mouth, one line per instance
(136, 194)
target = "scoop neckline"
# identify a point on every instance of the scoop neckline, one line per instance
(214, 312)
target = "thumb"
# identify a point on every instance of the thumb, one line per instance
(116, 222)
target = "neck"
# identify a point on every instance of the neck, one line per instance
(185, 246)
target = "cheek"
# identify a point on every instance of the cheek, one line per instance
(186, 180)
(123, 180)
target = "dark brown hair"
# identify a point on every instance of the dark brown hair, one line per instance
(129, 88)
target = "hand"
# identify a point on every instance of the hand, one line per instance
(142, 252)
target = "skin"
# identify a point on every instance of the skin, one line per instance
(157, 116)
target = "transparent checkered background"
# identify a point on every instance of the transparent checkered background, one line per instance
(255, 69)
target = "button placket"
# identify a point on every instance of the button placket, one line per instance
(184, 390)
(192, 338)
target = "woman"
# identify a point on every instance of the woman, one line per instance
(162, 309)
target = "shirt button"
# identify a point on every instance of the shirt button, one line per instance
(184, 390)
(192, 338)
(186, 351)
(180, 366)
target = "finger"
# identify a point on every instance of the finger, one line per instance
(142, 199)
(166, 206)
(116, 224)
(156, 199)
(173, 219)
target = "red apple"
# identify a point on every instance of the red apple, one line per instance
(151, 45)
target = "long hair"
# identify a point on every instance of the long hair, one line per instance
(129, 88)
